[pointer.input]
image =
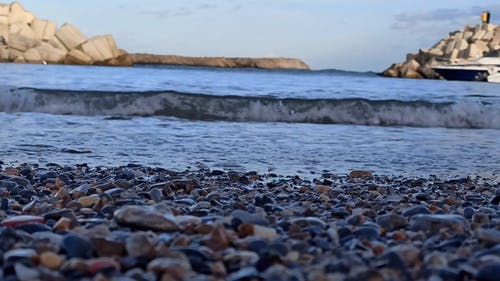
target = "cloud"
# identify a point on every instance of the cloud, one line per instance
(168, 13)
(428, 26)
(180, 11)
(237, 7)
(417, 20)
(205, 6)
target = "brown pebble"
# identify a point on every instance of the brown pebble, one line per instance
(218, 240)
(63, 224)
(204, 229)
(59, 183)
(12, 171)
(51, 260)
(322, 189)
(399, 236)
(88, 200)
(96, 265)
(361, 174)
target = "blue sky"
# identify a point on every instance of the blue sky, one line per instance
(343, 34)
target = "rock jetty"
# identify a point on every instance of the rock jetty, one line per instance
(458, 46)
(141, 223)
(27, 39)
(264, 63)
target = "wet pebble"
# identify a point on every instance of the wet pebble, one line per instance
(145, 217)
(76, 246)
(489, 272)
(432, 224)
(392, 222)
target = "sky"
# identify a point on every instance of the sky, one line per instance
(358, 35)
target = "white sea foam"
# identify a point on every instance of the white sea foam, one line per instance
(473, 114)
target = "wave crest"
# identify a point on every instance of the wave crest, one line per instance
(253, 109)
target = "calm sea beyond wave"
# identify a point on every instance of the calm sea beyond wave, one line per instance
(241, 119)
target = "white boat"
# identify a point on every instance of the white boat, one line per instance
(494, 78)
(476, 70)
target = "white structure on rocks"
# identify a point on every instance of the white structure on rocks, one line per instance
(24, 38)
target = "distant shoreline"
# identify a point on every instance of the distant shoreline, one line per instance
(224, 62)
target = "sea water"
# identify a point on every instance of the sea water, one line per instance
(285, 122)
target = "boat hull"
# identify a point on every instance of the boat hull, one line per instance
(463, 74)
(494, 78)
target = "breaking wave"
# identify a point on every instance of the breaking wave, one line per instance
(253, 109)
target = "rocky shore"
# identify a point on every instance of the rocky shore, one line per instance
(25, 38)
(264, 63)
(457, 47)
(140, 223)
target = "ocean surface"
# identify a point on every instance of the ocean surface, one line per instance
(284, 122)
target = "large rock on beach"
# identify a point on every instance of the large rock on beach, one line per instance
(432, 224)
(459, 46)
(70, 36)
(145, 217)
(27, 39)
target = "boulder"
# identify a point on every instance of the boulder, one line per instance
(112, 44)
(412, 74)
(99, 48)
(21, 37)
(441, 45)
(411, 70)
(488, 27)
(462, 45)
(478, 35)
(14, 54)
(4, 10)
(468, 35)
(70, 36)
(56, 43)
(50, 54)
(43, 29)
(32, 56)
(495, 41)
(454, 54)
(123, 59)
(4, 33)
(78, 57)
(435, 52)
(392, 71)
(428, 72)
(4, 54)
(473, 52)
(488, 36)
(483, 47)
(459, 35)
(24, 38)
(450, 47)
(20, 59)
(17, 14)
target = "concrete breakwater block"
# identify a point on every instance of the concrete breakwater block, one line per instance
(78, 57)
(70, 36)
(27, 39)
(43, 29)
(21, 37)
(17, 14)
(99, 48)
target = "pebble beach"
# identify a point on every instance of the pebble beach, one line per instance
(140, 223)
